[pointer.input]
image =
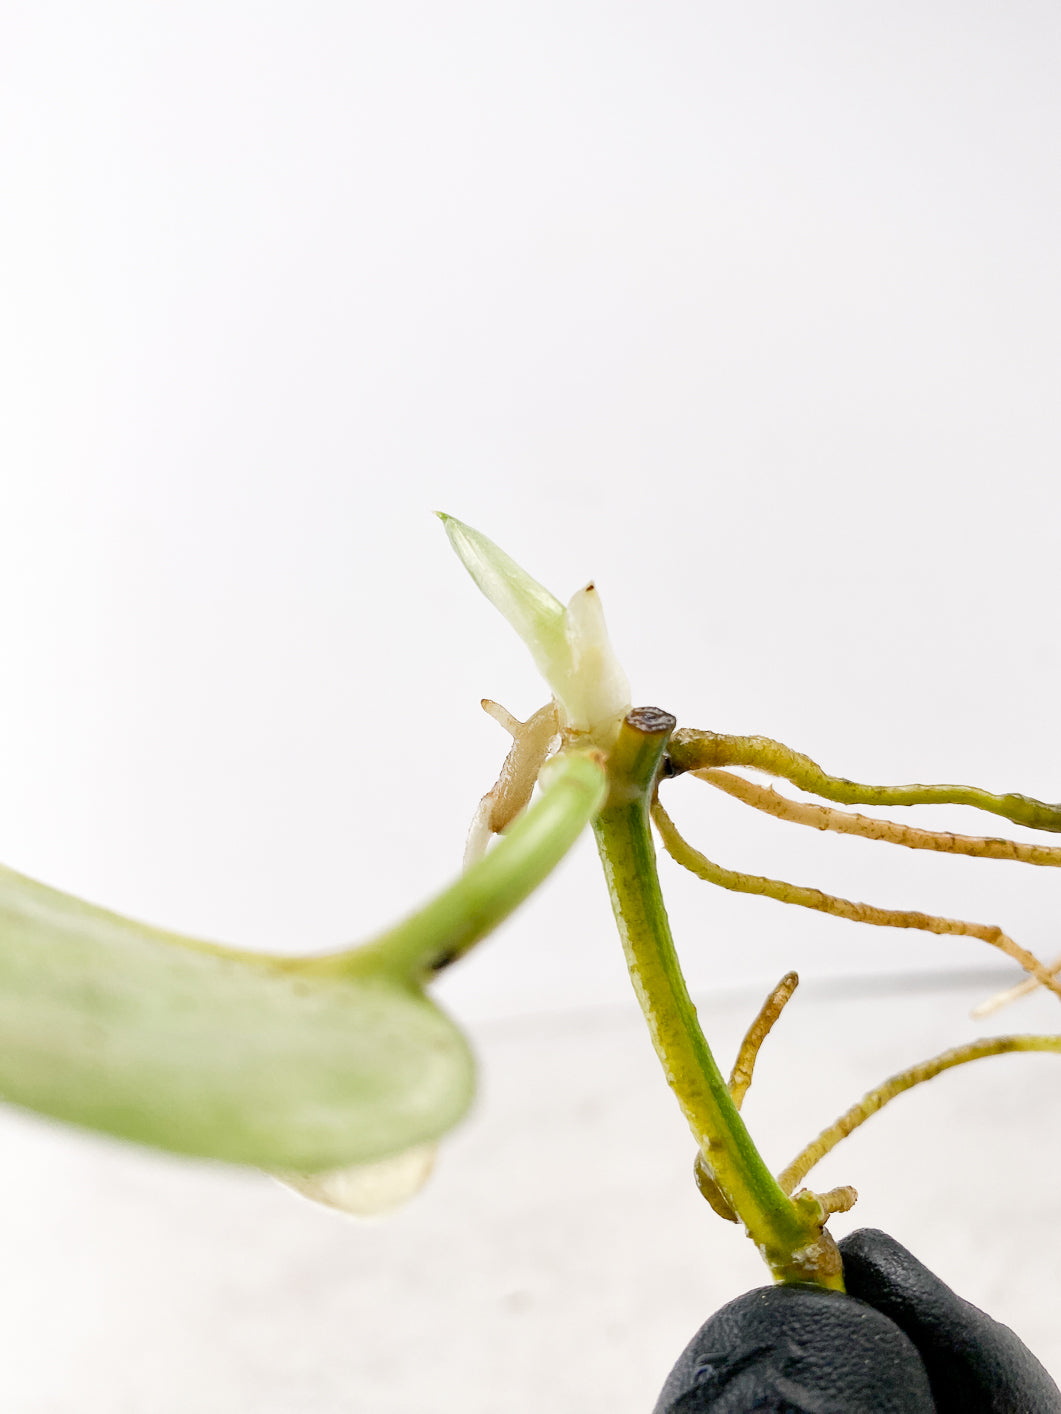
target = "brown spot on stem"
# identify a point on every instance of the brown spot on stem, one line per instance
(651, 721)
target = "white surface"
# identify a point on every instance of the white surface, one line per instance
(559, 1259)
(750, 312)
(753, 314)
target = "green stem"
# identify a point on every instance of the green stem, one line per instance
(787, 1232)
(692, 750)
(476, 902)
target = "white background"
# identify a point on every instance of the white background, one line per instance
(750, 312)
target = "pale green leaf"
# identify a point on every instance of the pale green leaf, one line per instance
(297, 1064)
(532, 611)
(570, 646)
(130, 1030)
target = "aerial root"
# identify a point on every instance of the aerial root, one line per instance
(741, 1076)
(824, 817)
(532, 743)
(690, 750)
(834, 1200)
(876, 1099)
(684, 853)
(838, 1200)
(739, 1081)
(1014, 993)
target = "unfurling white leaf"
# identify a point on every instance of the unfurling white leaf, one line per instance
(570, 646)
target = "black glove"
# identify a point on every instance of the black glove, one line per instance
(900, 1342)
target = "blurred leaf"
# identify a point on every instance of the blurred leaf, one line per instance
(156, 1038)
(367, 1190)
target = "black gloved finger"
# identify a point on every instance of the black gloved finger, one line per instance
(797, 1350)
(975, 1365)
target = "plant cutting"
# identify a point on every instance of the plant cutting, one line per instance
(339, 1073)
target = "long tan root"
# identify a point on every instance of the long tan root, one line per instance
(532, 741)
(824, 817)
(741, 1076)
(684, 853)
(876, 1099)
(1014, 993)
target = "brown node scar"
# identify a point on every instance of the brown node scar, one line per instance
(824, 817)
(684, 853)
(532, 743)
